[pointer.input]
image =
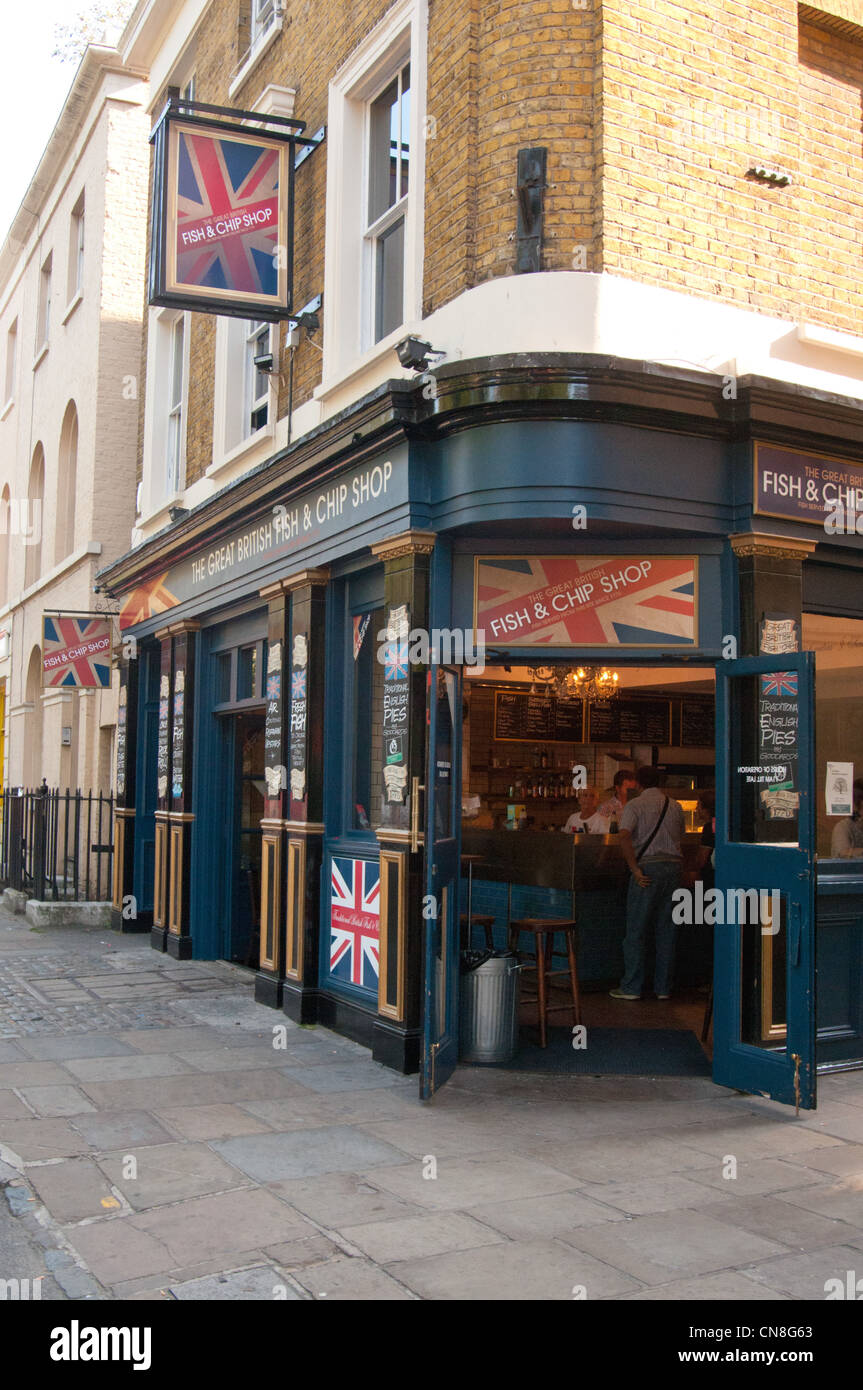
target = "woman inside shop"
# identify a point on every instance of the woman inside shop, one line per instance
(846, 841)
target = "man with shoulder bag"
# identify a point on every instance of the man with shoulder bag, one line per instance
(652, 827)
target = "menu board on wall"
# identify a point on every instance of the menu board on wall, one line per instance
(273, 766)
(122, 710)
(178, 737)
(521, 717)
(697, 722)
(396, 705)
(162, 748)
(299, 715)
(630, 721)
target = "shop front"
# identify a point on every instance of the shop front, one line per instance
(358, 740)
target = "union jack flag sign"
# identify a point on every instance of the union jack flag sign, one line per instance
(779, 683)
(355, 888)
(76, 651)
(587, 600)
(226, 232)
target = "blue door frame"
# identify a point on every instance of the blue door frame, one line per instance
(765, 968)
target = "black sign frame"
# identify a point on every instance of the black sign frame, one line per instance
(252, 127)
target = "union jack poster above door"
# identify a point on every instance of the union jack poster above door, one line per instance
(355, 899)
(587, 600)
(221, 231)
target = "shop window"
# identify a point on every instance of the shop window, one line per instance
(838, 647)
(367, 710)
(224, 663)
(240, 674)
(246, 673)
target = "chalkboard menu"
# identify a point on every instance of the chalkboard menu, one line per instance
(697, 723)
(396, 705)
(121, 742)
(519, 716)
(630, 721)
(299, 715)
(273, 765)
(178, 738)
(162, 748)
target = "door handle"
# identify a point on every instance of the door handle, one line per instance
(416, 788)
(794, 929)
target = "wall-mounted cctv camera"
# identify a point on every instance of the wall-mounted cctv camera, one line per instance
(264, 362)
(415, 354)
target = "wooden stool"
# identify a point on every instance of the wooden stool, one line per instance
(543, 929)
(478, 919)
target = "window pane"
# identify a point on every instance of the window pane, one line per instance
(177, 364)
(383, 148)
(389, 279)
(838, 647)
(405, 130)
(368, 676)
(223, 678)
(247, 661)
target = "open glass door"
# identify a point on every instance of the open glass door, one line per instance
(440, 907)
(764, 932)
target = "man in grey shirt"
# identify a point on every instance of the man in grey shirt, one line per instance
(651, 836)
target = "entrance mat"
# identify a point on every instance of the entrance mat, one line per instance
(614, 1052)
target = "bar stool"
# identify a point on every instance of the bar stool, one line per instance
(543, 930)
(477, 919)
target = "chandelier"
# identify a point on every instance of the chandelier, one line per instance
(596, 684)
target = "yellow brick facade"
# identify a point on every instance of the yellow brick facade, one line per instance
(652, 112)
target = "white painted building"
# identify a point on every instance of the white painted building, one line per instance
(71, 303)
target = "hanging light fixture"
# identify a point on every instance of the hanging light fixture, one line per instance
(596, 684)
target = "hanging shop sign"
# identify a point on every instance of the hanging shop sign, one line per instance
(222, 213)
(285, 530)
(587, 600)
(76, 651)
(801, 486)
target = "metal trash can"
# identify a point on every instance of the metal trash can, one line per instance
(488, 1006)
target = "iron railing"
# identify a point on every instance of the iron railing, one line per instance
(57, 845)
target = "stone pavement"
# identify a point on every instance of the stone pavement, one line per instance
(158, 1146)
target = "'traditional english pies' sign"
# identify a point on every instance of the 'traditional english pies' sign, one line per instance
(805, 487)
(285, 530)
(587, 600)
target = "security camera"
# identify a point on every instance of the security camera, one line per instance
(414, 354)
(264, 362)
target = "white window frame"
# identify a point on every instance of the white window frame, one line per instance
(233, 436)
(43, 315)
(401, 38)
(11, 366)
(75, 277)
(258, 336)
(158, 411)
(264, 14)
(177, 406)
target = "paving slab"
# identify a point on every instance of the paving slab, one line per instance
(206, 1228)
(806, 1275)
(756, 1176)
(531, 1217)
(72, 1190)
(261, 1283)
(116, 1250)
(842, 1200)
(12, 1107)
(60, 1049)
(343, 1199)
(126, 1068)
(659, 1248)
(212, 1122)
(328, 1077)
(470, 1182)
(13, 1052)
(347, 1279)
(169, 1173)
(416, 1237)
(296, 1254)
(224, 1058)
(56, 1100)
(527, 1270)
(198, 1088)
(777, 1220)
(672, 1192)
(726, 1287)
(444, 1135)
(844, 1162)
(115, 1129)
(172, 1039)
(839, 1119)
(754, 1137)
(36, 1140)
(620, 1157)
(14, 1074)
(306, 1152)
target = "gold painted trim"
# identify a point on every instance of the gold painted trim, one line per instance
(397, 837)
(119, 867)
(186, 817)
(294, 930)
(175, 920)
(395, 1011)
(775, 547)
(406, 543)
(125, 812)
(160, 871)
(271, 850)
(269, 823)
(319, 577)
(305, 827)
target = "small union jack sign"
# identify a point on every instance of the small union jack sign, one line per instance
(396, 661)
(355, 886)
(298, 685)
(76, 651)
(274, 686)
(779, 683)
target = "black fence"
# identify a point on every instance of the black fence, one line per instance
(57, 846)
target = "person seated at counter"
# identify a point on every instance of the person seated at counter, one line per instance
(587, 820)
(846, 842)
(623, 788)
